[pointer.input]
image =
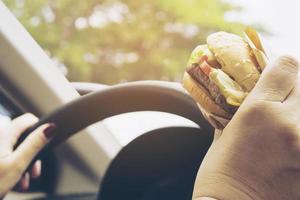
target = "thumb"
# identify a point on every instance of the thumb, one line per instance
(30, 147)
(277, 80)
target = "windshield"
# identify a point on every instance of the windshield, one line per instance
(117, 41)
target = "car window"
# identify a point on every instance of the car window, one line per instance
(116, 41)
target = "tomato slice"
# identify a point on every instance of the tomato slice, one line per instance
(206, 68)
(203, 58)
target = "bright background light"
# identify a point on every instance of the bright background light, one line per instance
(280, 18)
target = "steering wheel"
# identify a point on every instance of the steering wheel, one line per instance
(156, 165)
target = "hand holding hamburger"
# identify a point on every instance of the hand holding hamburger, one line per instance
(221, 73)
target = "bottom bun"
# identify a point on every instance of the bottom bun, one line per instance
(202, 97)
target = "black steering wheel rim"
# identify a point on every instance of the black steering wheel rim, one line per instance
(123, 98)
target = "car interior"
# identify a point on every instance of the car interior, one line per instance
(157, 163)
(108, 74)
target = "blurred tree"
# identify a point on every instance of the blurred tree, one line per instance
(110, 41)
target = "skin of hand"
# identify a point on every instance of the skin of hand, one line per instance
(257, 156)
(14, 162)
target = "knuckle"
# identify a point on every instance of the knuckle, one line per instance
(257, 107)
(274, 94)
(290, 140)
(257, 112)
(288, 63)
(37, 145)
(286, 129)
(288, 132)
(40, 140)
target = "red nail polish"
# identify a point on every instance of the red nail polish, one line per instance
(49, 130)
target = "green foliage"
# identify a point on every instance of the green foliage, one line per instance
(109, 41)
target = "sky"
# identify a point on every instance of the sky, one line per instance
(279, 17)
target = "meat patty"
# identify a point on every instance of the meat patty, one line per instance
(198, 75)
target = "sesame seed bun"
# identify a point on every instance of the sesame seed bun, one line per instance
(234, 55)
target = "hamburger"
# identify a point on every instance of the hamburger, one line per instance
(221, 73)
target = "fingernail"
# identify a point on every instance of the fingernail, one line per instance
(25, 182)
(49, 130)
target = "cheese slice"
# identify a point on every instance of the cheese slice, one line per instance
(230, 89)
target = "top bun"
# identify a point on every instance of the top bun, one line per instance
(235, 57)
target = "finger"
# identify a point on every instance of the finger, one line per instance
(35, 171)
(4, 123)
(26, 151)
(24, 182)
(277, 80)
(20, 124)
